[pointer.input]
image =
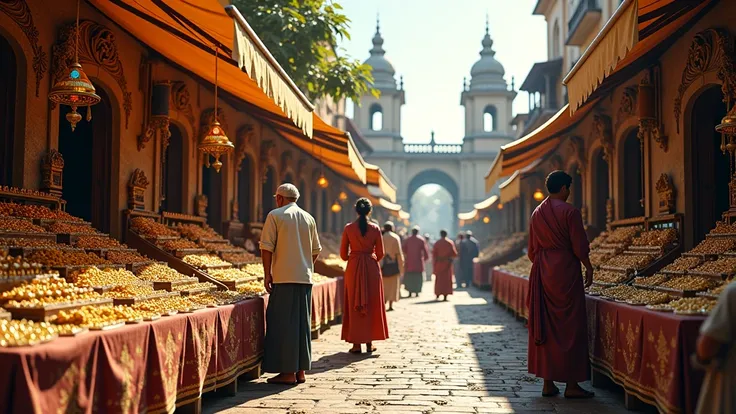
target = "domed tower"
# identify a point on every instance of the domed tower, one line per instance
(379, 119)
(487, 101)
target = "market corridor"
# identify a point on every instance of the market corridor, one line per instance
(467, 355)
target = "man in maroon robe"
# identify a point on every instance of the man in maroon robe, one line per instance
(558, 333)
(443, 254)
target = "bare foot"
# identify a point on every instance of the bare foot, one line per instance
(283, 379)
(574, 391)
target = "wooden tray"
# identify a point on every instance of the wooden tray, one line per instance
(169, 286)
(135, 267)
(102, 252)
(18, 235)
(197, 291)
(47, 312)
(103, 289)
(180, 253)
(707, 295)
(675, 292)
(133, 301)
(7, 283)
(42, 222)
(214, 241)
(716, 276)
(107, 327)
(67, 271)
(71, 238)
(26, 251)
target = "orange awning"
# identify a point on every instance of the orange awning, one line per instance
(184, 33)
(486, 204)
(377, 178)
(538, 144)
(637, 32)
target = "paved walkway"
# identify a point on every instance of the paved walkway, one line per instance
(466, 356)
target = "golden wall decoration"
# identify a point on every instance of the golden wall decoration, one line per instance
(97, 46)
(667, 195)
(200, 205)
(52, 173)
(20, 13)
(137, 190)
(711, 50)
(603, 131)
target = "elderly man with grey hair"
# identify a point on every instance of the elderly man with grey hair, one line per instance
(289, 247)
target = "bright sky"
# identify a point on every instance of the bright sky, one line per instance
(433, 43)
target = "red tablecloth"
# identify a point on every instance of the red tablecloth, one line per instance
(646, 352)
(146, 367)
(510, 290)
(481, 274)
(327, 299)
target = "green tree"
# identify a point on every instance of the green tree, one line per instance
(303, 36)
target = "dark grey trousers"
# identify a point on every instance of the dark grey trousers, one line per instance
(288, 342)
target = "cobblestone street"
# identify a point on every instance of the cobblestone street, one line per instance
(466, 356)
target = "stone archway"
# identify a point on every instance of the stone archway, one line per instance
(441, 178)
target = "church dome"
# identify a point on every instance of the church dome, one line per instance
(382, 70)
(487, 72)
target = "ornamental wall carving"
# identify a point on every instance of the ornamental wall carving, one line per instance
(711, 50)
(603, 131)
(667, 194)
(181, 101)
(577, 150)
(268, 154)
(287, 160)
(20, 13)
(137, 190)
(96, 46)
(627, 106)
(243, 141)
(52, 173)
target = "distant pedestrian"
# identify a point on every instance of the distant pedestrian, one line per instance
(364, 312)
(459, 274)
(429, 270)
(416, 254)
(289, 247)
(443, 254)
(392, 266)
(717, 351)
(471, 250)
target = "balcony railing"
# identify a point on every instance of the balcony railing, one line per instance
(433, 148)
(583, 18)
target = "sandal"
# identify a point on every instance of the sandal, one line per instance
(355, 351)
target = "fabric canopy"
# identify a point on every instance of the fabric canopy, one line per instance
(468, 216)
(184, 33)
(638, 29)
(389, 205)
(487, 203)
(511, 188)
(376, 177)
(538, 144)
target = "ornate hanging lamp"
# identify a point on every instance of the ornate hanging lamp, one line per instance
(343, 196)
(75, 89)
(215, 143)
(322, 181)
(336, 207)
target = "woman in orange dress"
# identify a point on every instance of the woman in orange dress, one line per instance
(364, 314)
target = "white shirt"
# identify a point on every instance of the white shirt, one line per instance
(290, 233)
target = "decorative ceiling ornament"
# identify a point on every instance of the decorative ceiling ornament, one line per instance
(711, 50)
(215, 143)
(602, 131)
(627, 106)
(20, 13)
(243, 140)
(97, 47)
(74, 88)
(181, 101)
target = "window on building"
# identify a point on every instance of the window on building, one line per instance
(489, 118)
(556, 40)
(376, 117)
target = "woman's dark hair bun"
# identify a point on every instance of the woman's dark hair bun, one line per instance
(363, 207)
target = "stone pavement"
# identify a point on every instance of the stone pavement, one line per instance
(465, 356)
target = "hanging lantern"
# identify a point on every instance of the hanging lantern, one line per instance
(538, 195)
(500, 206)
(336, 207)
(343, 196)
(215, 143)
(322, 181)
(75, 89)
(728, 123)
(486, 219)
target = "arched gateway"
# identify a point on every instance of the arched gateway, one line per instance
(458, 168)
